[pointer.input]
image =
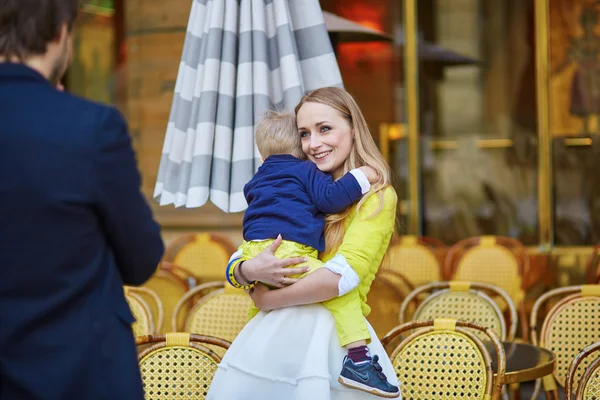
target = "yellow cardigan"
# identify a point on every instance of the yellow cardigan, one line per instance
(367, 239)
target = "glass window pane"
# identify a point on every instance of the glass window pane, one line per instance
(478, 119)
(574, 96)
(92, 72)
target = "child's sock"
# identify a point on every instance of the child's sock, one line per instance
(359, 355)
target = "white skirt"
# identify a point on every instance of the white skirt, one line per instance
(290, 354)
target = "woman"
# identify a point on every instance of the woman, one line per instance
(293, 352)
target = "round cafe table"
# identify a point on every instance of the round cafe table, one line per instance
(524, 362)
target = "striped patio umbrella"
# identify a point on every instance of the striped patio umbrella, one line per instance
(240, 58)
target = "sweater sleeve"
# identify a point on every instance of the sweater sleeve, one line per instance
(367, 238)
(329, 196)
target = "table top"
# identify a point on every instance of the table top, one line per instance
(524, 362)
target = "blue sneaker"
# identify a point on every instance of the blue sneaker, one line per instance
(367, 377)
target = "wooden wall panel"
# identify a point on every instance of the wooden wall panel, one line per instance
(142, 15)
(154, 47)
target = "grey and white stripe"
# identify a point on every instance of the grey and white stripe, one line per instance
(240, 58)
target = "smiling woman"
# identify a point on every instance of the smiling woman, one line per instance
(326, 137)
(310, 327)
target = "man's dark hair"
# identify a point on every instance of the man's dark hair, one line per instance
(27, 26)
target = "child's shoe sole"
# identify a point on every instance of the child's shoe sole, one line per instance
(359, 386)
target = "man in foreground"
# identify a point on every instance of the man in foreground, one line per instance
(74, 226)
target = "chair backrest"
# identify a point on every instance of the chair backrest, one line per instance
(146, 322)
(589, 385)
(467, 301)
(571, 324)
(388, 290)
(444, 359)
(593, 266)
(496, 260)
(221, 313)
(170, 287)
(178, 365)
(415, 258)
(205, 255)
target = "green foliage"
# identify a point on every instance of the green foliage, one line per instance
(101, 3)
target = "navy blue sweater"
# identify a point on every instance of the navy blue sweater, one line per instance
(291, 197)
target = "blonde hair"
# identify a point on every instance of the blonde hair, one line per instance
(364, 152)
(277, 133)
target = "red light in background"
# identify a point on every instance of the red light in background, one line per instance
(370, 16)
(371, 24)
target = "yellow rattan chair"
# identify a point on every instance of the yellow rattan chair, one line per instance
(178, 366)
(444, 359)
(415, 258)
(168, 283)
(387, 292)
(499, 261)
(144, 319)
(467, 301)
(571, 324)
(593, 266)
(221, 313)
(205, 255)
(588, 387)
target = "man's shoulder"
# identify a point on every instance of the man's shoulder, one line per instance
(86, 107)
(81, 122)
(42, 99)
(94, 120)
(64, 111)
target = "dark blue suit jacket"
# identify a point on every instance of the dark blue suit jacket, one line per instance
(74, 228)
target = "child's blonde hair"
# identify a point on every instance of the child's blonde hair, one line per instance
(277, 133)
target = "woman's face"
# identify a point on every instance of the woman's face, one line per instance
(326, 137)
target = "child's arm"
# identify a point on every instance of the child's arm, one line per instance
(332, 197)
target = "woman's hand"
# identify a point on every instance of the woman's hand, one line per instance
(267, 268)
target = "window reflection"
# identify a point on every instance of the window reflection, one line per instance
(92, 73)
(478, 122)
(574, 110)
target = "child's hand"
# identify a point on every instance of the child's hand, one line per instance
(258, 294)
(371, 174)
